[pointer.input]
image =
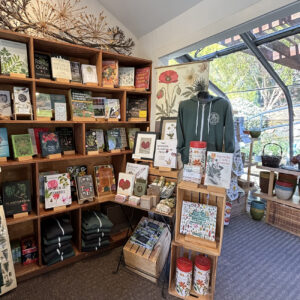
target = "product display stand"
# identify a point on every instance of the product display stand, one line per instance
(29, 168)
(206, 195)
(283, 214)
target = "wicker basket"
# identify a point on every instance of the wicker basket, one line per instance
(272, 161)
(285, 217)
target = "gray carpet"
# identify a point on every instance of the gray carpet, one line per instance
(258, 262)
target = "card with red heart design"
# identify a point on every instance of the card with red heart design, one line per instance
(125, 184)
(144, 146)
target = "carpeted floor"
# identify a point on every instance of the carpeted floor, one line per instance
(258, 262)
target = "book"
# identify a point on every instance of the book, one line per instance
(100, 139)
(166, 154)
(66, 138)
(112, 109)
(218, 169)
(5, 104)
(4, 148)
(89, 73)
(57, 190)
(139, 170)
(22, 145)
(61, 68)
(42, 66)
(126, 77)
(60, 111)
(99, 107)
(91, 140)
(49, 143)
(124, 143)
(35, 132)
(22, 104)
(57, 98)
(16, 197)
(82, 104)
(76, 71)
(13, 57)
(105, 179)
(131, 136)
(125, 184)
(85, 188)
(198, 220)
(42, 186)
(137, 107)
(110, 73)
(114, 140)
(73, 172)
(43, 105)
(142, 78)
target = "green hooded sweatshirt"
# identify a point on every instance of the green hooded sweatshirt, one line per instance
(208, 120)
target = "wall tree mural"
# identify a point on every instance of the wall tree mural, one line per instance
(65, 20)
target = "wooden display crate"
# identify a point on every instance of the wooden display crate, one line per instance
(205, 195)
(178, 250)
(145, 262)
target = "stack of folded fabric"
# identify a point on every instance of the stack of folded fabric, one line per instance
(57, 236)
(96, 229)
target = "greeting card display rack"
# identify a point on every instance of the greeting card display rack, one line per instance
(190, 246)
(12, 170)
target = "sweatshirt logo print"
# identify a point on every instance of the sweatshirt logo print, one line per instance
(214, 118)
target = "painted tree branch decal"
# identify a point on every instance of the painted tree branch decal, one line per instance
(64, 20)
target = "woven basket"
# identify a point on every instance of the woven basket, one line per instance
(272, 161)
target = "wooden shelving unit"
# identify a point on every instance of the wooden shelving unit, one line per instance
(283, 214)
(29, 170)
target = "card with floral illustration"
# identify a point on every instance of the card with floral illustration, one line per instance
(16, 197)
(166, 154)
(104, 179)
(57, 190)
(49, 143)
(218, 169)
(125, 184)
(22, 145)
(168, 128)
(5, 104)
(126, 77)
(41, 181)
(85, 188)
(198, 220)
(110, 73)
(13, 56)
(144, 145)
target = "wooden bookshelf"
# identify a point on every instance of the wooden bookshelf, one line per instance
(13, 170)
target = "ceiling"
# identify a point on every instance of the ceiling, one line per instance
(143, 16)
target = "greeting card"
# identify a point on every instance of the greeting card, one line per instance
(125, 184)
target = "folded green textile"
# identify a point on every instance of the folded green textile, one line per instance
(59, 258)
(50, 248)
(96, 230)
(58, 252)
(92, 236)
(95, 242)
(94, 248)
(54, 227)
(94, 220)
(56, 240)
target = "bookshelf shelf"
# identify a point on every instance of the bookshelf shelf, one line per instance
(13, 170)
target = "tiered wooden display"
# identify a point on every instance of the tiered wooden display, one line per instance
(189, 244)
(283, 214)
(12, 170)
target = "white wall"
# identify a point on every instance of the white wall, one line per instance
(204, 20)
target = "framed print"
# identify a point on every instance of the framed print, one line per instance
(168, 128)
(144, 145)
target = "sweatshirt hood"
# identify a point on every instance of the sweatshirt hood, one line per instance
(203, 102)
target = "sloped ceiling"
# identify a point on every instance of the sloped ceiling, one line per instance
(143, 16)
